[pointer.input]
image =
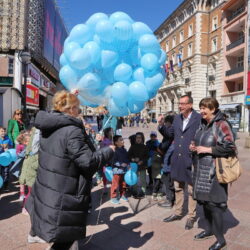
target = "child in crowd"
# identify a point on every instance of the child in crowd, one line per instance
(30, 164)
(157, 160)
(152, 146)
(22, 140)
(120, 164)
(138, 153)
(107, 141)
(5, 144)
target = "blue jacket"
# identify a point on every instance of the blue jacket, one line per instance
(152, 146)
(7, 141)
(181, 160)
(120, 156)
(167, 159)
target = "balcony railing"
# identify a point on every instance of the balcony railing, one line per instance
(235, 71)
(236, 13)
(236, 43)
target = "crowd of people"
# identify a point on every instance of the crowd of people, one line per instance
(62, 153)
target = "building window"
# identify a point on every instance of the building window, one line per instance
(167, 46)
(173, 58)
(174, 42)
(173, 25)
(11, 66)
(212, 93)
(190, 30)
(214, 44)
(214, 3)
(240, 61)
(190, 10)
(215, 23)
(190, 49)
(181, 36)
(181, 18)
(239, 86)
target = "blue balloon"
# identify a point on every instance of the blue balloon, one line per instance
(69, 48)
(149, 62)
(138, 91)
(134, 166)
(13, 154)
(104, 29)
(154, 83)
(163, 58)
(95, 18)
(80, 58)
(119, 93)
(86, 103)
(80, 33)
(108, 173)
(120, 16)
(141, 29)
(152, 94)
(130, 178)
(1, 181)
(94, 50)
(139, 75)
(123, 72)
(108, 58)
(89, 82)
(68, 77)
(135, 106)
(149, 44)
(5, 159)
(123, 30)
(135, 55)
(63, 60)
(116, 110)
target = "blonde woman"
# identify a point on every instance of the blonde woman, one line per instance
(15, 125)
(59, 200)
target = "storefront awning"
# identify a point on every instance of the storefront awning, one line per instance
(229, 106)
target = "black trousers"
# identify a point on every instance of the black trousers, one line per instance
(214, 216)
(61, 246)
(157, 185)
(169, 186)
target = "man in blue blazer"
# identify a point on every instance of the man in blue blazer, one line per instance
(185, 125)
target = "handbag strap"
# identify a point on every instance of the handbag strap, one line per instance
(220, 166)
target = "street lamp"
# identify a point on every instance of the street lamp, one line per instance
(25, 58)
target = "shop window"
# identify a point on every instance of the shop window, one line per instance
(11, 66)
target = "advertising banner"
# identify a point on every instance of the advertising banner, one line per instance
(55, 34)
(34, 75)
(32, 95)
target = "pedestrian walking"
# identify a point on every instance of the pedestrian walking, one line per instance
(184, 127)
(59, 200)
(213, 139)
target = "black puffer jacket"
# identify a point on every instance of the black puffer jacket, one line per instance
(218, 135)
(60, 196)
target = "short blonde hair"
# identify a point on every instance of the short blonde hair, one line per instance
(64, 100)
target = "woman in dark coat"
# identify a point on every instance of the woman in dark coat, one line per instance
(59, 199)
(214, 138)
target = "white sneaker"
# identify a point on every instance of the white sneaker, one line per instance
(21, 197)
(35, 239)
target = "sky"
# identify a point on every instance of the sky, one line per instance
(151, 12)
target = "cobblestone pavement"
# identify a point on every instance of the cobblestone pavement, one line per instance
(137, 224)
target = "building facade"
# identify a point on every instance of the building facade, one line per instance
(35, 26)
(235, 77)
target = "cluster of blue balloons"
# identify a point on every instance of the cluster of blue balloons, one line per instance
(7, 157)
(113, 61)
(130, 176)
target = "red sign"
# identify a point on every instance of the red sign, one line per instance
(32, 93)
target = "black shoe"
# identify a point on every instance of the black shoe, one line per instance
(189, 224)
(166, 204)
(172, 217)
(218, 246)
(203, 236)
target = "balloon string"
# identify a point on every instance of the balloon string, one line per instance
(101, 131)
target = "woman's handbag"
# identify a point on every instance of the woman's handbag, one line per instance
(228, 169)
